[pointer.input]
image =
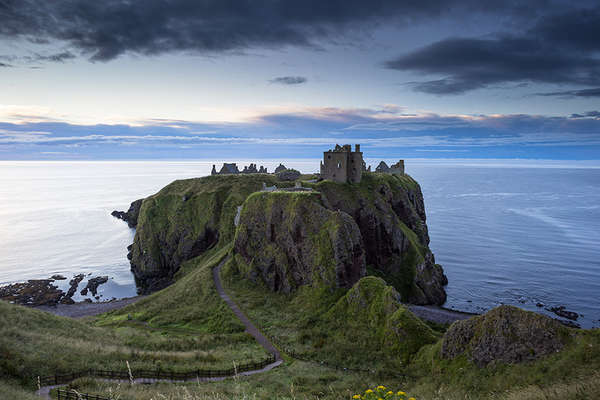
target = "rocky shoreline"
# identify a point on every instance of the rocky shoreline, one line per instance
(44, 292)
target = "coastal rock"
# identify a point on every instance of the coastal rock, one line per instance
(131, 215)
(387, 209)
(280, 168)
(73, 283)
(58, 277)
(390, 214)
(561, 311)
(34, 292)
(171, 231)
(505, 334)
(288, 240)
(92, 285)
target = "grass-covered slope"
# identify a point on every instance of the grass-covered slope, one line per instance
(184, 327)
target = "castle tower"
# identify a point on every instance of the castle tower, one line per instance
(342, 164)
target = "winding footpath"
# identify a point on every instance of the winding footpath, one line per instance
(44, 391)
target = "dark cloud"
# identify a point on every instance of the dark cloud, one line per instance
(58, 57)
(106, 29)
(561, 49)
(289, 80)
(3, 65)
(592, 92)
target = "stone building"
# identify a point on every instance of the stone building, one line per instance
(396, 169)
(342, 164)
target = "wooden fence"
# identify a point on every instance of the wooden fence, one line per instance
(154, 374)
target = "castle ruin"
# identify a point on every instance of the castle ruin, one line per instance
(342, 164)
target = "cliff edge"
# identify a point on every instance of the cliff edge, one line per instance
(335, 234)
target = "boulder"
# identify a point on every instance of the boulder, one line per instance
(505, 334)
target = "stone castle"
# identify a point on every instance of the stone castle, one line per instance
(340, 165)
(344, 165)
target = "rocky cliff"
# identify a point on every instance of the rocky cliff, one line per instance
(334, 235)
(289, 239)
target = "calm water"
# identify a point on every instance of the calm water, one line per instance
(504, 235)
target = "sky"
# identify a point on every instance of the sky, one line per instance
(190, 79)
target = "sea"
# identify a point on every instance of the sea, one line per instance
(525, 233)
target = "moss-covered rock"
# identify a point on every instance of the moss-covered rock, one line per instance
(505, 334)
(292, 239)
(185, 219)
(288, 239)
(390, 214)
(372, 307)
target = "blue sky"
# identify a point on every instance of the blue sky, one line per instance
(206, 79)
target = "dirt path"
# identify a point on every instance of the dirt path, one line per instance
(78, 311)
(250, 328)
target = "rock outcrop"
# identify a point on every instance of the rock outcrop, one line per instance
(373, 306)
(390, 214)
(185, 219)
(505, 334)
(131, 215)
(289, 239)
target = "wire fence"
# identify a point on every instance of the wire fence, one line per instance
(60, 379)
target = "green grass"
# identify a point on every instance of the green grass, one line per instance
(294, 380)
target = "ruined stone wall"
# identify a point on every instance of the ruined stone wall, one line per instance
(355, 167)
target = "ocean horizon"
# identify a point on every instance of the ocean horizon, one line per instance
(521, 232)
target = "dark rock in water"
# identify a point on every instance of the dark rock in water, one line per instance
(93, 284)
(34, 292)
(74, 283)
(562, 312)
(568, 323)
(131, 216)
(539, 305)
(58, 277)
(505, 334)
(288, 175)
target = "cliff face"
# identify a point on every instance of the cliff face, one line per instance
(183, 220)
(390, 213)
(334, 235)
(289, 239)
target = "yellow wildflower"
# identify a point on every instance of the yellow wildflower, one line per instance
(369, 391)
(412, 398)
(381, 387)
(356, 396)
(390, 392)
(401, 394)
